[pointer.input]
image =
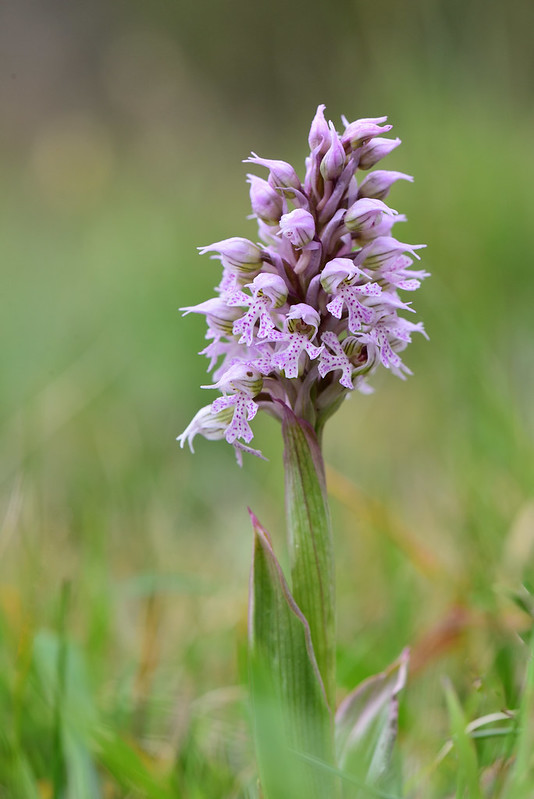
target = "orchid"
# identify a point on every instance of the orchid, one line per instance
(302, 319)
(326, 267)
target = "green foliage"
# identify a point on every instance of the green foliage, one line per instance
(467, 783)
(367, 726)
(522, 776)
(290, 707)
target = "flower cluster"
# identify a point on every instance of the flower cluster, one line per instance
(305, 316)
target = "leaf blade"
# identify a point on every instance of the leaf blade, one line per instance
(366, 722)
(291, 712)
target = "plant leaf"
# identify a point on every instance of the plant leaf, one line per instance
(310, 540)
(468, 771)
(366, 723)
(291, 714)
(129, 768)
(521, 777)
(63, 682)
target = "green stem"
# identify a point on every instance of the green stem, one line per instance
(310, 543)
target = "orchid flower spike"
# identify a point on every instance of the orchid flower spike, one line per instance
(308, 313)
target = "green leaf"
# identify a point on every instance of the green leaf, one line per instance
(467, 782)
(366, 723)
(128, 769)
(63, 681)
(16, 775)
(291, 713)
(310, 541)
(521, 780)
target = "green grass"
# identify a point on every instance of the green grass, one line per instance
(124, 560)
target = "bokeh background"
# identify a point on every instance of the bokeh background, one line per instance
(124, 559)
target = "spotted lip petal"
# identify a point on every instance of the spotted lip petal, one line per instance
(334, 358)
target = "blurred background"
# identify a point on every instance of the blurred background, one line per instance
(124, 560)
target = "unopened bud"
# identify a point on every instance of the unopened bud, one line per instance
(266, 202)
(379, 182)
(359, 132)
(298, 226)
(319, 133)
(334, 160)
(376, 149)
(282, 175)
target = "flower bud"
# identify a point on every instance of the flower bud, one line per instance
(376, 149)
(282, 175)
(379, 182)
(266, 203)
(360, 131)
(298, 226)
(334, 161)
(365, 213)
(319, 133)
(237, 254)
(271, 286)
